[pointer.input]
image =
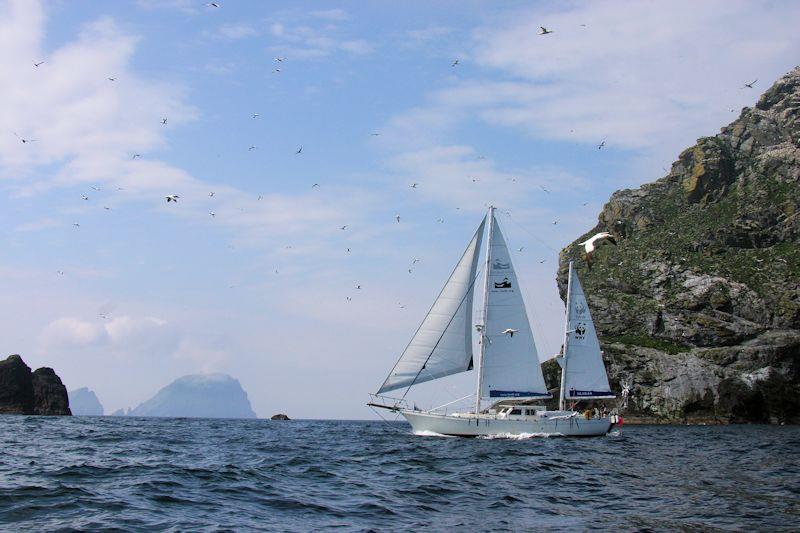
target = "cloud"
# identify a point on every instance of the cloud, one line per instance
(305, 39)
(641, 75)
(236, 31)
(87, 127)
(330, 14)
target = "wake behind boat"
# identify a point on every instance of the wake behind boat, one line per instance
(508, 368)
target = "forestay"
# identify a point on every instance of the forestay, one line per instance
(510, 366)
(443, 343)
(585, 375)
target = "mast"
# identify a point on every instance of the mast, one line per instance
(562, 392)
(487, 271)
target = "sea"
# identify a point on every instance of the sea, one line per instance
(177, 474)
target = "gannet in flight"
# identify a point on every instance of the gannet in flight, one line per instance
(591, 244)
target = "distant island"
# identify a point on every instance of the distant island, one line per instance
(23, 392)
(84, 402)
(199, 396)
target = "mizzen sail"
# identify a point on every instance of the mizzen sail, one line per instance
(510, 366)
(584, 372)
(443, 343)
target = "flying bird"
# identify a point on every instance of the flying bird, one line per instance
(255, 115)
(60, 272)
(112, 79)
(440, 220)
(600, 146)
(545, 190)
(24, 140)
(106, 208)
(96, 188)
(35, 64)
(375, 134)
(276, 70)
(542, 261)
(84, 197)
(252, 147)
(510, 332)
(749, 85)
(279, 59)
(520, 248)
(163, 121)
(544, 31)
(211, 194)
(212, 4)
(454, 63)
(343, 227)
(555, 222)
(414, 185)
(172, 198)
(76, 224)
(358, 287)
(212, 213)
(397, 218)
(315, 185)
(299, 151)
(591, 244)
(136, 156)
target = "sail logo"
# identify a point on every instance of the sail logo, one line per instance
(499, 265)
(580, 309)
(505, 284)
(580, 331)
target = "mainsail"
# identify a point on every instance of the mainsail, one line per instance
(584, 373)
(510, 366)
(443, 343)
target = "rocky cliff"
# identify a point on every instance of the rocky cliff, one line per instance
(698, 307)
(31, 393)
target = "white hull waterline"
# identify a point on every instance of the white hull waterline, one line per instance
(556, 423)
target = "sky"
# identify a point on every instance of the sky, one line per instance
(123, 103)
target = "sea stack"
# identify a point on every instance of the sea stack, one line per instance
(31, 393)
(84, 402)
(199, 396)
(280, 416)
(698, 307)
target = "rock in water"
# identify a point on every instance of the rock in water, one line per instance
(698, 307)
(84, 402)
(199, 396)
(16, 386)
(279, 416)
(31, 393)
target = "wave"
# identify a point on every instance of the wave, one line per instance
(520, 436)
(428, 433)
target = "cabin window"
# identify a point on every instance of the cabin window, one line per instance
(516, 411)
(530, 412)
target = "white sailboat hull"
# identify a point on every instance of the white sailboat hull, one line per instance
(464, 425)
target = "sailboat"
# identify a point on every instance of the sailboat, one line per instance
(509, 375)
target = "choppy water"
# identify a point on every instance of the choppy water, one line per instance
(154, 474)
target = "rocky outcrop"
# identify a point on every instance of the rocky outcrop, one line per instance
(698, 307)
(84, 402)
(280, 416)
(200, 396)
(31, 393)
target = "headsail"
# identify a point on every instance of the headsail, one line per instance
(510, 366)
(584, 374)
(443, 343)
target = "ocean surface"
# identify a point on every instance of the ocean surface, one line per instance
(189, 474)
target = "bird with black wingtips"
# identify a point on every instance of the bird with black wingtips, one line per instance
(591, 244)
(172, 198)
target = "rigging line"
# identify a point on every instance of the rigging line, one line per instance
(466, 293)
(512, 219)
(389, 422)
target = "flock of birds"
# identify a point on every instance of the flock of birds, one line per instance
(590, 245)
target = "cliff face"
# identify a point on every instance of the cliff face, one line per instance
(31, 393)
(699, 304)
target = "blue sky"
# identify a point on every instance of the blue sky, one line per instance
(143, 292)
